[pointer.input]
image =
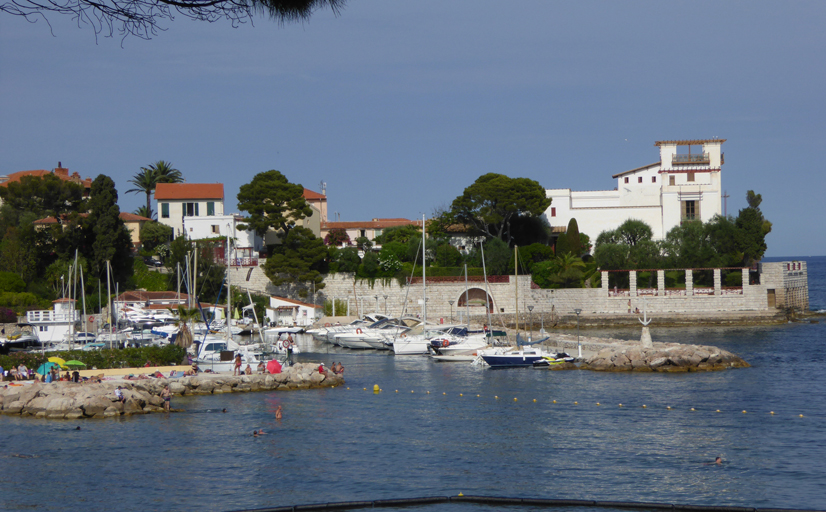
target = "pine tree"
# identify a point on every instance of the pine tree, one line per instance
(572, 234)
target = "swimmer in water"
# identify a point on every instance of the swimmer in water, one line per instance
(278, 413)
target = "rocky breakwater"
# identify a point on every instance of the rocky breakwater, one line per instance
(68, 400)
(663, 357)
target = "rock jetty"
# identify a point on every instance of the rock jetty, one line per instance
(663, 357)
(69, 400)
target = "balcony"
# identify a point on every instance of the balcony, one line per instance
(690, 159)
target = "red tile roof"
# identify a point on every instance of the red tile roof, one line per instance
(60, 172)
(309, 195)
(375, 224)
(189, 191)
(124, 216)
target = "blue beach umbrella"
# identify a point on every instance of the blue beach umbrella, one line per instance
(46, 367)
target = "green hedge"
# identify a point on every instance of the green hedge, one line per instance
(101, 359)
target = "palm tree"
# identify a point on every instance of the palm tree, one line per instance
(143, 212)
(146, 180)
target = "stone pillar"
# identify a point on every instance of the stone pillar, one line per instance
(661, 283)
(689, 282)
(632, 282)
(745, 278)
(645, 338)
(718, 288)
(604, 276)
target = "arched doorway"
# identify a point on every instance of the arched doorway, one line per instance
(476, 299)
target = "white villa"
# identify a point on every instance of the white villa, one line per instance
(177, 201)
(685, 184)
(290, 312)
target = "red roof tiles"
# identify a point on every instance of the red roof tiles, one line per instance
(189, 191)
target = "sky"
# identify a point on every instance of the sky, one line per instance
(399, 105)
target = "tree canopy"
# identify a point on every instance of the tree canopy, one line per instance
(298, 261)
(148, 178)
(142, 18)
(494, 201)
(271, 201)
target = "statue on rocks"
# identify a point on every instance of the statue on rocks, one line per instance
(645, 339)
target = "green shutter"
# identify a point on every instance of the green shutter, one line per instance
(196, 209)
(210, 208)
(165, 210)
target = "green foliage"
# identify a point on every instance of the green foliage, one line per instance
(299, 261)
(340, 307)
(534, 253)
(11, 282)
(400, 234)
(585, 243)
(369, 265)
(24, 301)
(337, 237)
(498, 258)
(630, 232)
(148, 178)
(112, 241)
(574, 242)
(154, 234)
(45, 195)
(563, 246)
(104, 358)
(564, 271)
(527, 230)
(753, 228)
(445, 255)
(363, 243)
(395, 249)
(494, 201)
(272, 202)
(149, 280)
(345, 260)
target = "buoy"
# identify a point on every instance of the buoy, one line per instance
(643, 406)
(365, 389)
(668, 407)
(460, 394)
(477, 396)
(599, 403)
(801, 415)
(397, 391)
(412, 391)
(496, 397)
(718, 410)
(348, 388)
(554, 401)
(576, 403)
(444, 393)
(514, 399)
(744, 411)
(620, 405)
(460, 494)
(772, 412)
(692, 408)
(375, 388)
(534, 399)
(428, 392)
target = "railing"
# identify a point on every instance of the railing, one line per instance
(460, 279)
(619, 292)
(51, 316)
(703, 291)
(732, 290)
(650, 292)
(239, 262)
(674, 292)
(690, 159)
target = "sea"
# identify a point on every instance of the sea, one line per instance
(441, 429)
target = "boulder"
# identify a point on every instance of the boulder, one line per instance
(132, 406)
(58, 407)
(177, 388)
(15, 407)
(111, 411)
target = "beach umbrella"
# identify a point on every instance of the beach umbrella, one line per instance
(57, 360)
(274, 366)
(73, 365)
(45, 368)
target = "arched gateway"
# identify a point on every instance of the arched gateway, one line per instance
(476, 298)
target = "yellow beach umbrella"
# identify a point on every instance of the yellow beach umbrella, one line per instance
(57, 360)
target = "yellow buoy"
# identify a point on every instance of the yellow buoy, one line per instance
(620, 405)
(460, 394)
(771, 412)
(718, 410)
(375, 388)
(744, 411)
(365, 389)
(412, 391)
(576, 403)
(643, 406)
(496, 397)
(668, 407)
(599, 403)
(801, 415)
(534, 399)
(444, 393)
(460, 494)
(514, 399)
(477, 396)
(428, 392)
(554, 401)
(397, 391)
(692, 408)
(348, 388)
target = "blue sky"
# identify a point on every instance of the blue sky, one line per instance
(398, 106)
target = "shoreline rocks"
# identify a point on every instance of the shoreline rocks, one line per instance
(661, 357)
(69, 400)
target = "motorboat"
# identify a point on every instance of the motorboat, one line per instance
(553, 360)
(457, 341)
(24, 337)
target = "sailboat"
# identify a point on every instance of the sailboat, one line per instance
(525, 353)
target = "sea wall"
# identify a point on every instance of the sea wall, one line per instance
(69, 400)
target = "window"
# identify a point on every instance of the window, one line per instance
(690, 210)
(215, 229)
(363, 232)
(191, 210)
(653, 179)
(690, 177)
(639, 180)
(672, 180)
(165, 210)
(210, 208)
(626, 179)
(553, 211)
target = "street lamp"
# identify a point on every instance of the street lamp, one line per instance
(530, 312)
(451, 309)
(385, 305)
(377, 303)
(578, 344)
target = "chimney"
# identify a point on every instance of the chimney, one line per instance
(61, 171)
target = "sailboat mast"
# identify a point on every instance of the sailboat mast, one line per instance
(487, 292)
(516, 284)
(229, 290)
(424, 283)
(467, 301)
(109, 301)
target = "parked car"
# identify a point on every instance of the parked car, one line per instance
(152, 262)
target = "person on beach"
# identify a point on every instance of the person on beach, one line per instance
(261, 367)
(248, 370)
(119, 394)
(237, 370)
(167, 398)
(278, 413)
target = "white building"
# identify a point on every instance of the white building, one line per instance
(290, 312)
(246, 244)
(177, 201)
(685, 184)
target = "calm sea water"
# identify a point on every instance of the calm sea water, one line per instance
(351, 444)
